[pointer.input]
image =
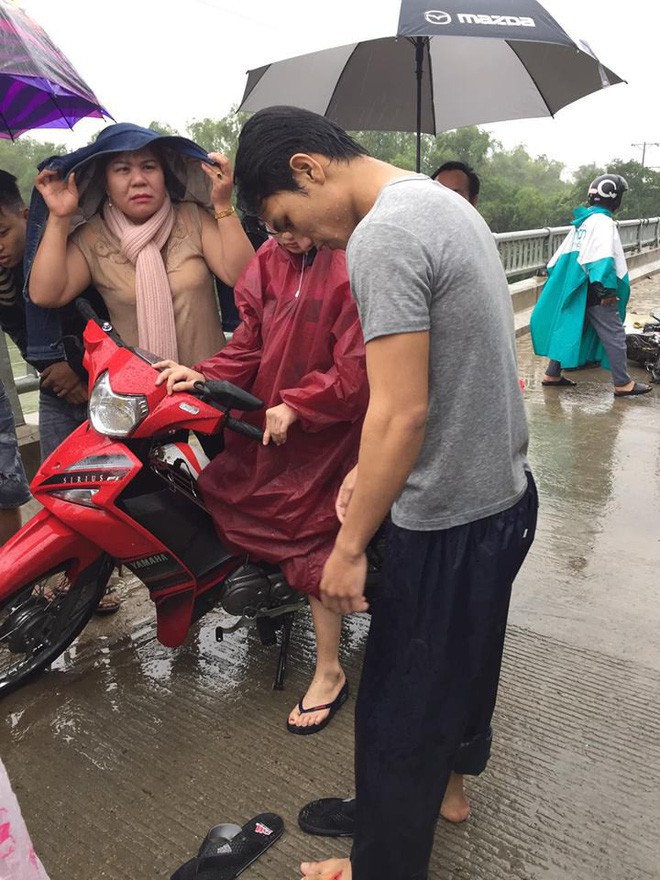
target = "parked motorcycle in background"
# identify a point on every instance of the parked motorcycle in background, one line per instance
(643, 348)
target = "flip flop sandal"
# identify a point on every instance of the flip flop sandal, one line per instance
(328, 817)
(54, 588)
(638, 388)
(227, 850)
(109, 603)
(334, 707)
(563, 383)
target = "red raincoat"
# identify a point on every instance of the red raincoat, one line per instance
(299, 343)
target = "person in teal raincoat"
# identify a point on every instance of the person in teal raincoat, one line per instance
(579, 315)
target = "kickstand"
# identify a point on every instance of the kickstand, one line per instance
(287, 623)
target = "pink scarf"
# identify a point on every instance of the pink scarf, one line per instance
(141, 243)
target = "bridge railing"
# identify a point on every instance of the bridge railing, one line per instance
(527, 252)
(523, 253)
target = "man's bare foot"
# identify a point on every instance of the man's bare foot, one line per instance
(332, 869)
(323, 689)
(455, 805)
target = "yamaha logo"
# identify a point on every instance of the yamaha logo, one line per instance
(435, 16)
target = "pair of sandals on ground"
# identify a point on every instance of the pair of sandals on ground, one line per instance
(228, 849)
(564, 382)
(109, 603)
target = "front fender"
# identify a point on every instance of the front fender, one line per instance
(43, 543)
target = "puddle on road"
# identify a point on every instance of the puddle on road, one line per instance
(103, 672)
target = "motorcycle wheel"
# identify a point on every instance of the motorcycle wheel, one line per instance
(40, 621)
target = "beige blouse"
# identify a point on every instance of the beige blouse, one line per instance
(196, 312)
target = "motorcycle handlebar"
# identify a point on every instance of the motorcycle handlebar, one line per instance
(244, 428)
(86, 311)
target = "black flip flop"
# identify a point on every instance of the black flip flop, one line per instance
(328, 817)
(638, 388)
(227, 850)
(563, 383)
(334, 707)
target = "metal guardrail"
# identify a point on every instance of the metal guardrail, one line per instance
(527, 252)
(15, 385)
(522, 253)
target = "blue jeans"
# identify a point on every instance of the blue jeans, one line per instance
(57, 419)
(14, 489)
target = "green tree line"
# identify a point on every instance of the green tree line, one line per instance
(518, 191)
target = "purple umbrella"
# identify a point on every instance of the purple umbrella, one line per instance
(39, 88)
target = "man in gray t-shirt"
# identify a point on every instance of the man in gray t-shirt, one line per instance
(443, 446)
(423, 261)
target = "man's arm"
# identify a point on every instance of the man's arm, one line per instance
(392, 438)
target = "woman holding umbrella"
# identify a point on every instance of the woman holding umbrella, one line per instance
(146, 241)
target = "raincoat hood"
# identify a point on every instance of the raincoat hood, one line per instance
(581, 213)
(298, 261)
(184, 178)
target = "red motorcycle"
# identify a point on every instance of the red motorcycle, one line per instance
(122, 489)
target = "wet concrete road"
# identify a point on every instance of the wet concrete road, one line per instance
(127, 752)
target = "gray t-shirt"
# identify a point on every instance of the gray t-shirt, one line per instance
(424, 259)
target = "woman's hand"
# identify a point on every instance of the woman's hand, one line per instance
(221, 176)
(178, 377)
(60, 196)
(278, 420)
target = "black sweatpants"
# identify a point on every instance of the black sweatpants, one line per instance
(430, 680)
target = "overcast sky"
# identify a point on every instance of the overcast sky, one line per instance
(179, 61)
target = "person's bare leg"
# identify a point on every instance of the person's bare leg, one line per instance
(331, 869)
(10, 523)
(455, 805)
(329, 677)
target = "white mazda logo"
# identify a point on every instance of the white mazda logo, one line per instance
(435, 16)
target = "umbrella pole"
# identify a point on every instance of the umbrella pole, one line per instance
(419, 67)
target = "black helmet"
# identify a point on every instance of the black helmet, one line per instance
(607, 191)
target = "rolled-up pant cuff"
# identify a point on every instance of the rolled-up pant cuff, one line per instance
(473, 755)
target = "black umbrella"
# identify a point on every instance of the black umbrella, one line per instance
(444, 69)
(39, 88)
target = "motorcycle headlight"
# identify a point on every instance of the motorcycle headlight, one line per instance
(112, 414)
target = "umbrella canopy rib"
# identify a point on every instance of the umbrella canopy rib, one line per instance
(429, 67)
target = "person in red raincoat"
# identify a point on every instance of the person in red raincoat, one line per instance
(300, 349)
